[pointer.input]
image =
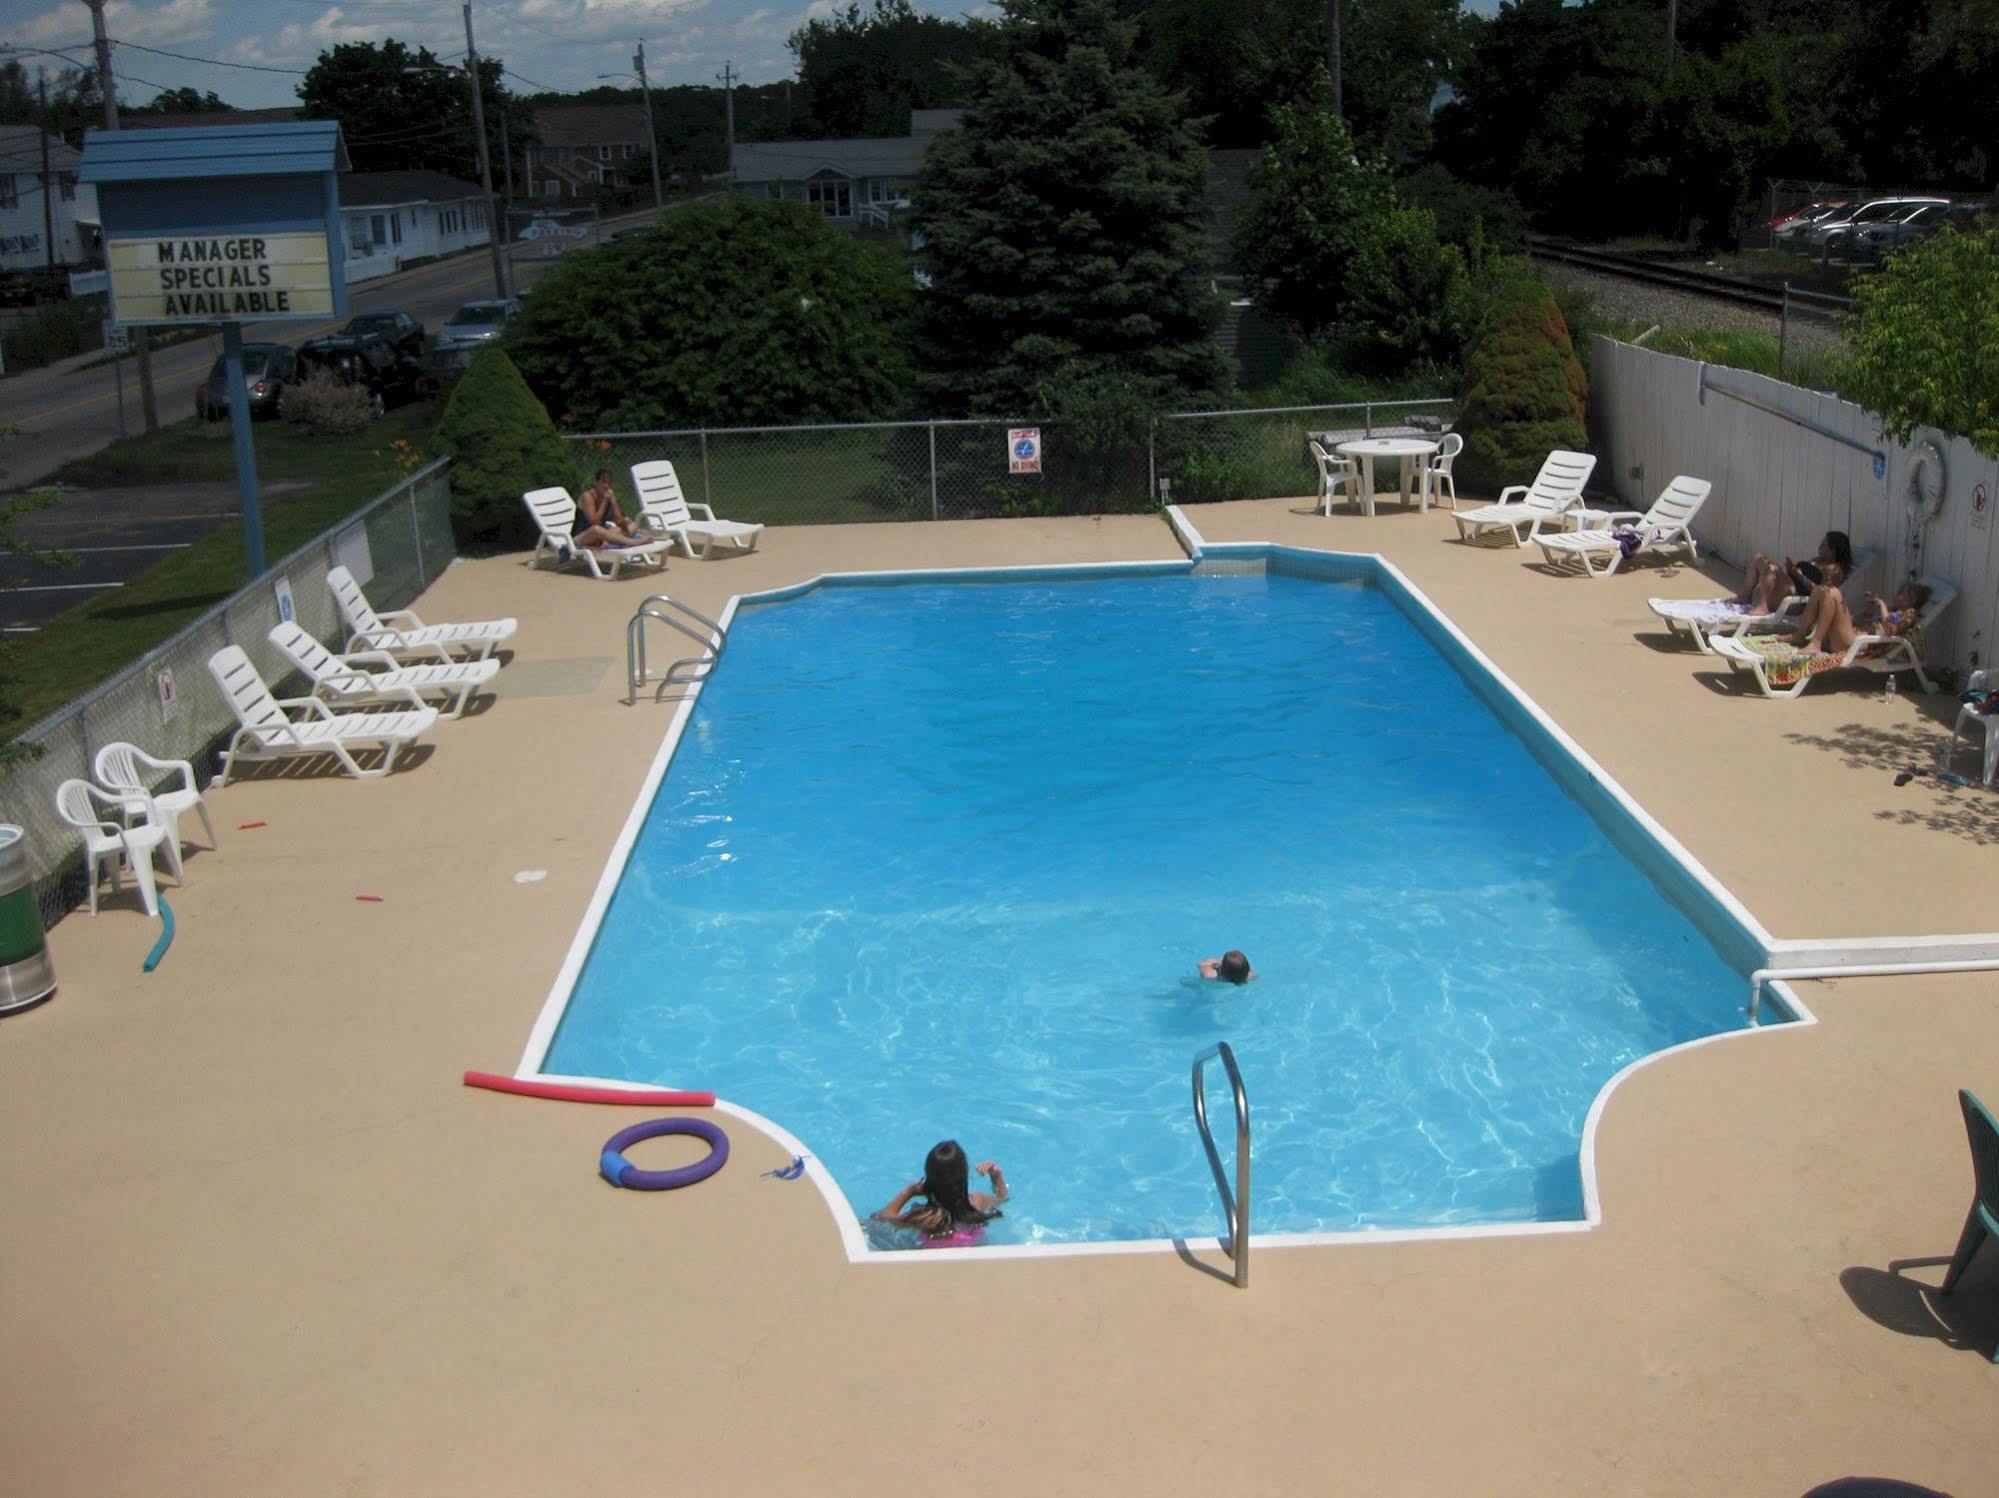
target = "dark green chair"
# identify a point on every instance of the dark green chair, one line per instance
(1982, 1221)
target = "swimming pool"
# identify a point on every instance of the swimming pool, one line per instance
(937, 859)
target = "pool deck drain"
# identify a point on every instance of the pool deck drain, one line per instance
(261, 1240)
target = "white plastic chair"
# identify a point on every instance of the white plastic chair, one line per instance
(1968, 718)
(1556, 490)
(373, 676)
(402, 633)
(1448, 447)
(1667, 526)
(267, 732)
(77, 803)
(1336, 472)
(1885, 654)
(554, 515)
(126, 771)
(664, 508)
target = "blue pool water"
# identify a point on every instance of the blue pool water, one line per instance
(937, 860)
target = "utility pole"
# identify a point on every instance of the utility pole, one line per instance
(652, 140)
(141, 344)
(1333, 54)
(729, 75)
(1672, 34)
(48, 185)
(494, 228)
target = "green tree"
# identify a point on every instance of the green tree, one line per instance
(401, 109)
(185, 101)
(1336, 253)
(502, 445)
(1064, 230)
(1525, 394)
(1923, 340)
(863, 71)
(728, 313)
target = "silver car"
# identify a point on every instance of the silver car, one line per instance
(472, 325)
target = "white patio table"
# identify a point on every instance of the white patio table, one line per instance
(1408, 449)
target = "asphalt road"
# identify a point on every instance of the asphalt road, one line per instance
(67, 413)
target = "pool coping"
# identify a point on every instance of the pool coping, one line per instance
(1687, 884)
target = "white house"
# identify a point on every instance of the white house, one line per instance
(390, 219)
(31, 205)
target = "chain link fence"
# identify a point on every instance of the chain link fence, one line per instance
(166, 702)
(962, 470)
(1811, 337)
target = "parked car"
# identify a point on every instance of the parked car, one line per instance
(404, 331)
(1874, 241)
(1834, 235)
(371, 360)
(1791, 227)
(35, 283)
(267, 369)
(464, 331)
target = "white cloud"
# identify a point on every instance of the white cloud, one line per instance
(156, 25)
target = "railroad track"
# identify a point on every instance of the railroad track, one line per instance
(1631, 268)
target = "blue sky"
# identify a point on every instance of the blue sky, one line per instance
(561, 44)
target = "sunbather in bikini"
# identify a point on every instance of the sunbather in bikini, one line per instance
(1829, 629)
(1769, 582)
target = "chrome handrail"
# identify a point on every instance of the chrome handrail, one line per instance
(681, 672)
(1235, 1205)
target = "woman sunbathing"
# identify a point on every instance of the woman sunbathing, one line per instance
(1769, 582)
(1829, 630)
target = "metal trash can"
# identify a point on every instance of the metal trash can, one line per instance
(26, 975)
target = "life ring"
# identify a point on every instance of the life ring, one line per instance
(619, 1171)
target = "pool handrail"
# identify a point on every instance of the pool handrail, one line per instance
(1235, 1205)
(697, 667)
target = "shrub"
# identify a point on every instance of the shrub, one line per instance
(327, 406)
(732, 313)
(502, 445)
(50, 331)
(1525, 392)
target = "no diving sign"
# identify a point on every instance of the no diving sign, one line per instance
(1023, 450)
(1981, 507)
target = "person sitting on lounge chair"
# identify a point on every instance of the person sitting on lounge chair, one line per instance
(599, 520)
(1769, 582)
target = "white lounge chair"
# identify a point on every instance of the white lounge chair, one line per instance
(663, 508)
(1785, 671)
(128, 772)
(93, 813)
(555, 516)
(1707, 619)
(1969, 718)
(267, 732)
(1448, 447)
(1667, 526)
(1336, 472)
(402, 633)
(367, 676)
(1556, 490)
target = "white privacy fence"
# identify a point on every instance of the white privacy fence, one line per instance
(1790, 464)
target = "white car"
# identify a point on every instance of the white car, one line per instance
(1838, 231)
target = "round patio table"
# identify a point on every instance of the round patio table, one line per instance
(1408, 449)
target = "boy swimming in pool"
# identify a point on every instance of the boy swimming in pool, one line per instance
(1230, 967)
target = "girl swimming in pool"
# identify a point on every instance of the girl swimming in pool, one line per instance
(951, 1215)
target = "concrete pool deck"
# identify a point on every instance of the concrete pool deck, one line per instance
(258, 1239)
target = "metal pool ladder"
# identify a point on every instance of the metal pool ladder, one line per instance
(712, 639)
(1234, 1204)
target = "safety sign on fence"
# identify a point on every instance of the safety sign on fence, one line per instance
(1023, 450)
(1981, 507)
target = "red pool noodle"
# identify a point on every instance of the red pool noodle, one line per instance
(570, 1092)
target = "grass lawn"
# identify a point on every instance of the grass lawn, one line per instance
(85, 646)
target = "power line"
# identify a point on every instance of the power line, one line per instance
(214, 62)
(545, 87)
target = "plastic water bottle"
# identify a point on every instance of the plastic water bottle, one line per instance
(1888, 690)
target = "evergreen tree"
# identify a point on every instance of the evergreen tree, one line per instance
(502, 445)
(1065, 236)
(1525, 391)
